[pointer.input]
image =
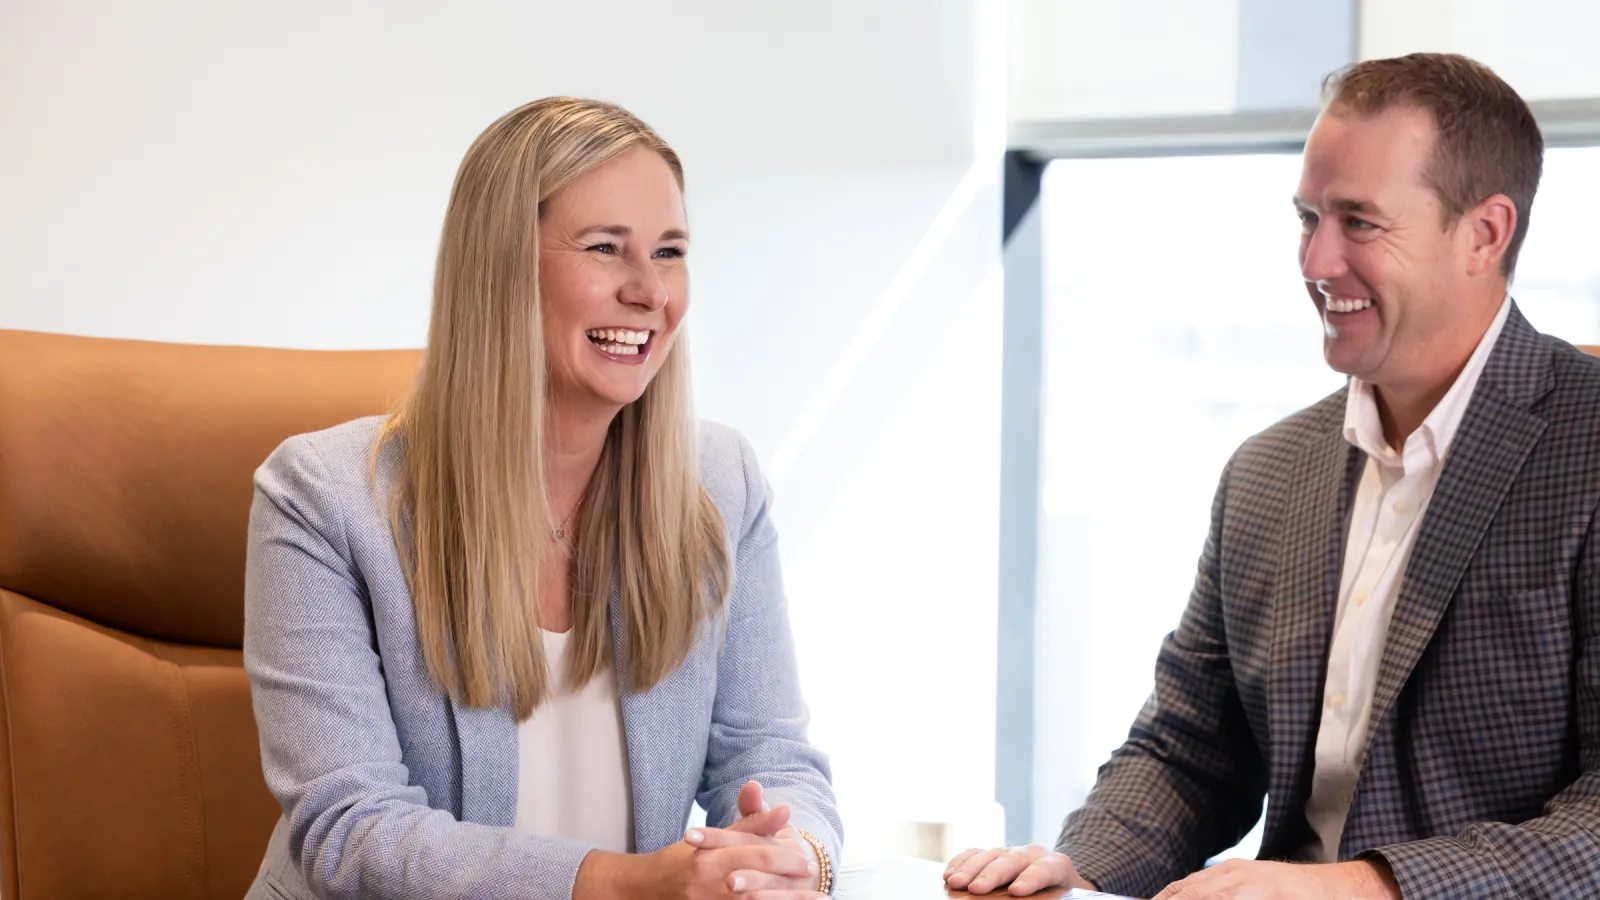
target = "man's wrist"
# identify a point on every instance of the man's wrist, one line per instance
(1371, 877)
(1083, 881)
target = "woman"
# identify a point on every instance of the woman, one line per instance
(499, 642)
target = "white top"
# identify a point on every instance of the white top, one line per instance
(1389, 505)
(572, 774)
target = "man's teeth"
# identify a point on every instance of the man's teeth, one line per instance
(619, 341)
(1348, 304)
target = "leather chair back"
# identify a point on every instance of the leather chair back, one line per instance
(129, 759)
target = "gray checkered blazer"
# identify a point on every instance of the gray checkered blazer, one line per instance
(1482, 772)
(390, 789)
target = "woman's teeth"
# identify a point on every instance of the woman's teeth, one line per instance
(1348, 304)
(619, 341)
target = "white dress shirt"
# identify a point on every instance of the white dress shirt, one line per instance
(1389, 505)
(572, 774)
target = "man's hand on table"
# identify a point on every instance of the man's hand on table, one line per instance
(1026, 870)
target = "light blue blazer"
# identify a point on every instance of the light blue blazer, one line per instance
(391, 789)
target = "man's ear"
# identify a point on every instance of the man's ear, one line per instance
(1488, 228)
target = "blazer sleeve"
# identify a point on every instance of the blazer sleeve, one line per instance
(358, 827)
(759, 719)
(1188, 781)
(1556, 855)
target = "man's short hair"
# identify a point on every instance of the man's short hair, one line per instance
(1488, 142)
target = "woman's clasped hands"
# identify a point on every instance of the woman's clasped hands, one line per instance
(758, 857)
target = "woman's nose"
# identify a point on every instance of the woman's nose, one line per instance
(645, 289)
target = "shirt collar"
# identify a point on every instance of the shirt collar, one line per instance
(1363, 429)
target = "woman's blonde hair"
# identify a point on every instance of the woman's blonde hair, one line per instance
(471, 511)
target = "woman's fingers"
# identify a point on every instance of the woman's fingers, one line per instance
(745, 880)
(752, 799)
(770, 859)
(767, 823)
(721, 838)
(762, 831)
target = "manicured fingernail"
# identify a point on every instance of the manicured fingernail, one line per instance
(811, 868)
(694, 836)
(738, 882)
(959, 875)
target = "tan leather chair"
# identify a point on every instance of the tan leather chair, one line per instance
(129, 763)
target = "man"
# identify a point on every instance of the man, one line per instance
(1394, 634)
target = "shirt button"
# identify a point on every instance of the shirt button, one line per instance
(1361, 598)
(1336, 701)
(1402, 507)
(1345, 798)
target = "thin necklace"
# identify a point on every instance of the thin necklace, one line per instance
(561, 532)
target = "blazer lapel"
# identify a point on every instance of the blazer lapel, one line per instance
(1309, 570)
(486, 738)
(666, 753)
(643, 720)
(489, 759)
(1495, 438)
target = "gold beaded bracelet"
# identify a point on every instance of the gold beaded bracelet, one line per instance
(824, 865)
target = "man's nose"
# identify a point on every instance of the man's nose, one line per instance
(1322, 255)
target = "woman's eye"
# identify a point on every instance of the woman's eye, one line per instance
(671, 253)
(607, 249)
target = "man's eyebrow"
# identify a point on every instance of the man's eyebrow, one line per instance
(1344, 204)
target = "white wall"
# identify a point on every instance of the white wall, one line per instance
(1542, 48)
(1086, 59)
(194, 171)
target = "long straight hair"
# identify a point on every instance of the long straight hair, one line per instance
(470, 510)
